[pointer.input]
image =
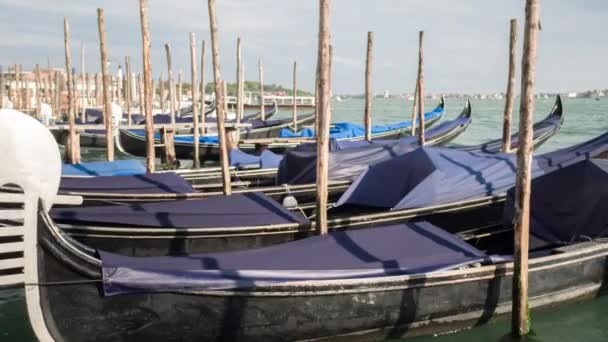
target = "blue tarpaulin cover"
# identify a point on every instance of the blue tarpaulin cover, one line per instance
(347, 159)
(236, 210)
(114, 168)
(432, 175)
(185, 139)
(156, 183)
(344, 130)
(568, 205)
(411, 248)
(242, 160)
(266, 160)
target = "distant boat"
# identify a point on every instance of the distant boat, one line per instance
(342, 99)
(597, 99)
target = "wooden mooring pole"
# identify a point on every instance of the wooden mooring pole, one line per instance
(178, 107)
(161, 90)
(203, 91)
(57, 96)
(82, 88)
(145, 39)
(506, 125)
(239, 98)
(261, 72)
(323, 117)
(105, 76)
(171, 83)
(140, 94)
(520, 313)
(72, 152)
(227, 186)
(421, 129)
(193, 62)
(294, 114)
(128, 88)
(415, 105)
(368, 87)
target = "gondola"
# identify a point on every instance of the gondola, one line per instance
(133, 142)
(97, 138)
(207, 182)
(390, 281)
(437, 135)
(437, 181)
(431, 181)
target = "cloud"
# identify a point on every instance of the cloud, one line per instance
(465, 44)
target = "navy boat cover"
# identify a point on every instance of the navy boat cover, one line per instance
(127, 167)
(156, 183)
(236, 210)
(347, 159)
(411, 248)
(345, 130)
(433, 176)
(568, 205)
(266, 160)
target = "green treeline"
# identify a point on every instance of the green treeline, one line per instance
(252, 86)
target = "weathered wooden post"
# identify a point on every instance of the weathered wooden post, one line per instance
(179, 91)
(128, 88)
(294, 114)
(98, 95)
(167, 138)
(196, 133)
(506, 126)
(368, 87)
(520, 313)
(38, 93)
(153, 90)
(140, 94)
(161, 89)
(415, 105)
(57, 96)
(76, 94)
(227, 187)
(82, 88)
(145, 35)
(261, 71)
(107, 107)
(72, 152)
(323, 117)
(421, 90)
(225, 93)
(242, 91)
(239, 98)
(88, 99)
(171, 83)
(203, 95)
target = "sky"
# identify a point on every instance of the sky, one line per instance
(466, 41)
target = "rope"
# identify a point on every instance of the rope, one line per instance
(66, 282)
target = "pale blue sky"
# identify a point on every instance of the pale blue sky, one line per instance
(466, 40)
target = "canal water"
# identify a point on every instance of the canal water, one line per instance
(584, 119)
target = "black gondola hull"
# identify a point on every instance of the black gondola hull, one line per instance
(390, 307)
